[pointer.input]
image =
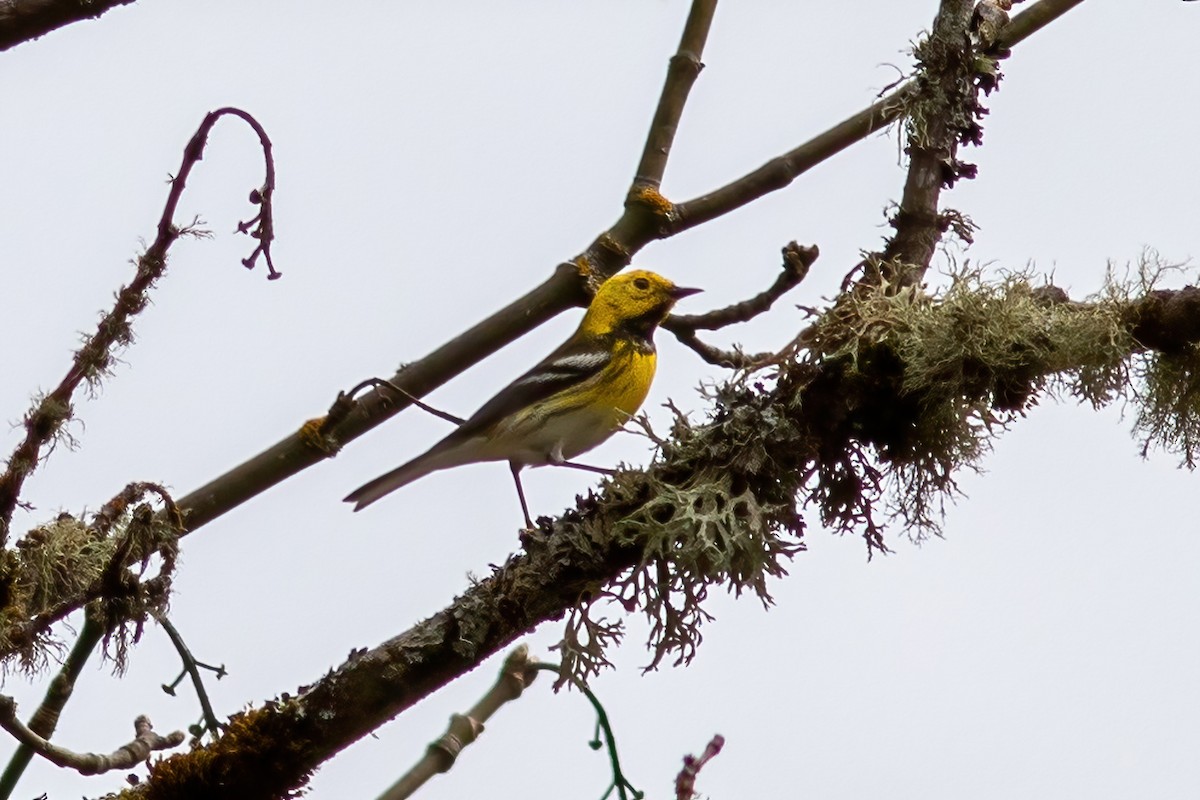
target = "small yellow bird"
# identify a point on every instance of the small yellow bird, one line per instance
(577, 397)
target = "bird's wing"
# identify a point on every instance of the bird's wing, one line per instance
(572, 363)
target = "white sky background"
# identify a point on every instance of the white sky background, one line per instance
(437, 160)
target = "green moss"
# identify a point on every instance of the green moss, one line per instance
(1168, 406)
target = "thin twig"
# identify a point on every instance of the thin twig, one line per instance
(128, 755)
(619, 781)
(797, 260)
(46, 419)
(779, 172)
(192, 667)
(409, 396)
(45, 720)
(1032, 20)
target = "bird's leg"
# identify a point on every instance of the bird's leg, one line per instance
(516, 473)
(587, 468)
(556, 458)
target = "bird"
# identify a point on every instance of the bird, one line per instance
(571, 401)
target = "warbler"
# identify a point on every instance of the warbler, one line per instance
(574, 399)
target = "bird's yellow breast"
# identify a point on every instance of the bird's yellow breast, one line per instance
(576, 420)
(626, 381)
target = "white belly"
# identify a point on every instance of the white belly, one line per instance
(559, 436)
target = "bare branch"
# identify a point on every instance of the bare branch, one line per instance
(682, 73)
(24, 20)
(516, 675)
(1033, 19)
(796, 262)
(781, 171)
(145, 742)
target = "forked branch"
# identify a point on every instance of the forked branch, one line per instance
(797, 260)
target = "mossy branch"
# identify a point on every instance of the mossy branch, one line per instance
(942, 112)
(58, 567)
(898, 392)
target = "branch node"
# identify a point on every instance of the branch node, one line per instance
(648, 196)
(314, 432)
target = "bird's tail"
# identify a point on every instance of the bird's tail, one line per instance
(437, 458)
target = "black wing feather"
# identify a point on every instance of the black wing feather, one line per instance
(570, 364)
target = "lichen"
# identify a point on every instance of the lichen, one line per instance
(868, 421)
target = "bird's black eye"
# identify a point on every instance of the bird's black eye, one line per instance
(641, 283)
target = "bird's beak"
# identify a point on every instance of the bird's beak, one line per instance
(680, 292)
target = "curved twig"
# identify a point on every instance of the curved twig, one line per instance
(145, 742)
(619, 781)
(797, 260)
(44, 422)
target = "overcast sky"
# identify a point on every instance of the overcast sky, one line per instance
(437, 160)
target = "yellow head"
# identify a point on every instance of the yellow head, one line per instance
(634, 302)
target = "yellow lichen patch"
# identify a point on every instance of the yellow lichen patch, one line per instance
(583, 267)
(653, 199)
(313, 435)
(253, 743)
